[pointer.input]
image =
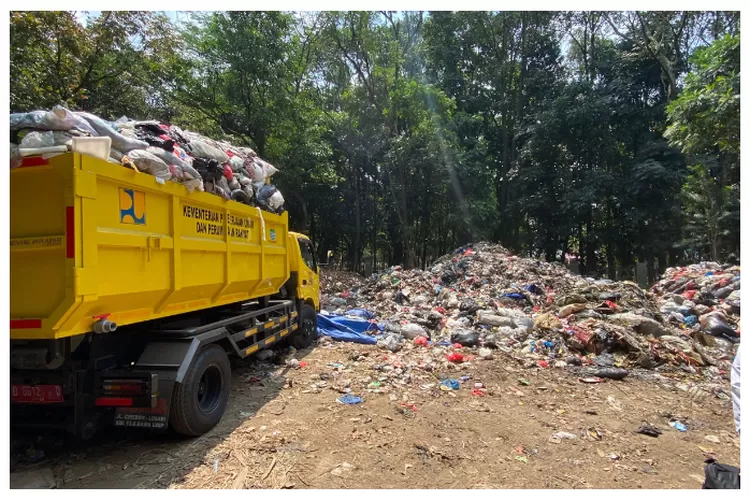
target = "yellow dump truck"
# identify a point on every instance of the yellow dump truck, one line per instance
(129, 295)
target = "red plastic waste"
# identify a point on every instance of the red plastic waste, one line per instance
(455, 357)
(542, 363)
(421, 341)
(456, 346)
(228, 172)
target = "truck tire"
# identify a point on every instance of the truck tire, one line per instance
(198, 403)
(308, 328)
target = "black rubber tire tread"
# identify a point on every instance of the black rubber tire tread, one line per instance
(301, 338)
(185, 416)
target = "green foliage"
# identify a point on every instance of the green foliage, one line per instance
(705, 125)
(706, 116)
(102, 67)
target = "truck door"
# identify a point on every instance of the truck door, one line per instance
(308, 275)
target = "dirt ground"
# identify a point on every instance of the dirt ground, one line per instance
(280, 430)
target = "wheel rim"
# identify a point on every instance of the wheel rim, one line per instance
(209, 390)
(309, 326)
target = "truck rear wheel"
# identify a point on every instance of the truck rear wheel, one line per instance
(198, 403)
(308, 328)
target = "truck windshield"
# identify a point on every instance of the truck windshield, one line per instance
(308, 256)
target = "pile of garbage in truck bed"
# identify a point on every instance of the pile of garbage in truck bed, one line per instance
(481, 301)
(162, 150)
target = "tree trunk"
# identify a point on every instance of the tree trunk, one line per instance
(357, 240)
(582, 261)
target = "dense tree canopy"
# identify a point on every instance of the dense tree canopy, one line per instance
(401, 135)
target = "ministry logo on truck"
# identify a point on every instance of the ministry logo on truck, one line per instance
(132, 207)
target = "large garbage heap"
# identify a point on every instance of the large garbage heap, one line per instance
(481, 299)
(334, 282)
(162, 150)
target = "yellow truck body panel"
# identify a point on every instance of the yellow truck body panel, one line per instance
(89, 240)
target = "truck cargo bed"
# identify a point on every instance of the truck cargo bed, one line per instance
(93, 240)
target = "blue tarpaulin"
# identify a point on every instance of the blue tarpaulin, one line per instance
(348, 329)
(360, 313)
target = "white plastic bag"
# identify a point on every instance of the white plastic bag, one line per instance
(179, 176)
(245, 180)
(150, 164)
(63, 138)
(38, 140)
(15, 156)
(57, 119)
(270, 196)
(256, 171)
(119, 141)
(202, 149)
(276, 201)
(117, 155)
(262, 170)
(172, 159)
(236, 163)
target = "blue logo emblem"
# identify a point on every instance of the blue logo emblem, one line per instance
(132, 207)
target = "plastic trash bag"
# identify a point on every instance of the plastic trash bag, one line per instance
(38, 140)
(63, 138)
(412, 330)
(150, 164)
(260, 170)
(218, 187)
(170, 158)
(467, 338)
(270, 197)
(276, 201)
(116, 154)
(611, 372)
(715, 325)
(15, 156)
(202, 149)
(721, 476)
(240, 196)
(245, 180)
(390, 342)
(119, 141)
(236, 163)
(209, 170)
(249, 191)
(59, 118)
(178, 176)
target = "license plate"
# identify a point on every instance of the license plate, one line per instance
(36, 393)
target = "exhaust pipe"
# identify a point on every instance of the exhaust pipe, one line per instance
(104, 326)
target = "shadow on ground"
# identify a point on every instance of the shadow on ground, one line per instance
(136, 458)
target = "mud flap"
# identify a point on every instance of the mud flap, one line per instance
(156, 418)
(163, 359)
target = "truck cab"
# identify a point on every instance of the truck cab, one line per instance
(304, 269)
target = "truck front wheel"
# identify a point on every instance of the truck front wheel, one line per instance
(200, 400)
(308, 328)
